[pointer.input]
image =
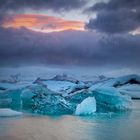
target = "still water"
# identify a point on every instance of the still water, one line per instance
(119, 126)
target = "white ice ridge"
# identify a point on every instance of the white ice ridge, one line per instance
(86, 107)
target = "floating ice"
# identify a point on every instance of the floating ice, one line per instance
(120, 81)
(131, 90)
(129, 79)
(86, 107)
(10, 99)
(64, 97)
(109, 99)
(7, 112)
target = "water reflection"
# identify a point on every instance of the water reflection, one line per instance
(41, 128)
(113, 126)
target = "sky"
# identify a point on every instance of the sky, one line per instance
(77, 36)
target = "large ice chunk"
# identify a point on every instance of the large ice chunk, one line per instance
(131, 90)
(109, 99)
(128, 79)
(10, 99)
(7, 112)
(86, 107)
(129, 85)
(118, 82)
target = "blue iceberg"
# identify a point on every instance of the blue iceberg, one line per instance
(109, 99)
(64, 97)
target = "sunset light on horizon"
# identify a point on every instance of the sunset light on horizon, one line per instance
(42, 23)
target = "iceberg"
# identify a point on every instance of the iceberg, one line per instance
(129, 85)
(7, 112)
(128, 79)
(109, 99)
(86, 107)
(120, 81)
(5, 102)
(10, 99)
(10, 93)
(131, 90)
(54, 97)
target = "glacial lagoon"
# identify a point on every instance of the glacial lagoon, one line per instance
(100, 126)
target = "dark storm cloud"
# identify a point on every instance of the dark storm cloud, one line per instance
(24, 47)
(116, 16)
(38, 4)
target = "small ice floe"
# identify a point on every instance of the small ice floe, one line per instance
(7, 112)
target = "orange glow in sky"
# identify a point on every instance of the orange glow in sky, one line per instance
(43, 23)
(136, 32)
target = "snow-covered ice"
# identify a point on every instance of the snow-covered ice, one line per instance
(58, 86)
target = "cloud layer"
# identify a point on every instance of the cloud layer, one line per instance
(69, 48)
(38, 4)
(111, 46)
(116, 16)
